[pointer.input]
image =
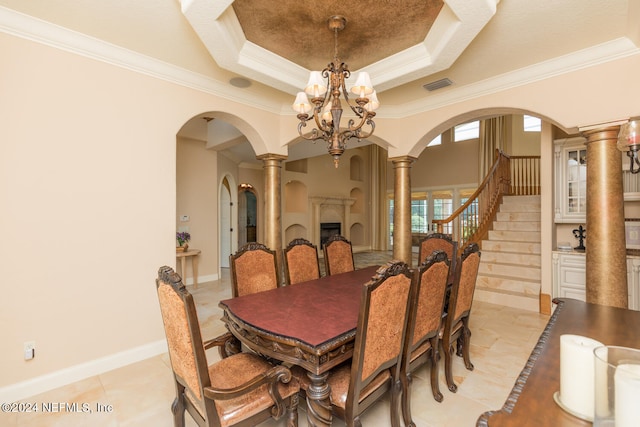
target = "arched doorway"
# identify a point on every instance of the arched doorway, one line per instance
(247, 214)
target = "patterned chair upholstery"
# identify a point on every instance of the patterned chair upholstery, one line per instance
(439, 242)
(374, 370)
(253, 269)
(456, 332)
(425, 323)
(240, 390)
(338, 255)
(300, 262)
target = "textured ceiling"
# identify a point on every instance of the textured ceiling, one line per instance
(374, 30)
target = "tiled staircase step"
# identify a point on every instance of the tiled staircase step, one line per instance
(520, 207)
(521, 200)
(518, 216)
(505, 246)
(517, 226)
(523, 302)
(526, 259)
(510, 285)
(515, 236)
(510, 270)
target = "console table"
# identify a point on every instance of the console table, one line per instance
(531, 400)
(182, 256)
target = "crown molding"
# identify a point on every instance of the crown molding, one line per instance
(43, 32)
(30, 28)
(589, 57)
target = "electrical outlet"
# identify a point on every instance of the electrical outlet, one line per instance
(29, 350)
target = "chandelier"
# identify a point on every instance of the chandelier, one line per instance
(325, 88)
(629, 142)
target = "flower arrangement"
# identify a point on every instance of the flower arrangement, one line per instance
(182, 237)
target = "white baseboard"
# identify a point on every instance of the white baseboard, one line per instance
(34, 386)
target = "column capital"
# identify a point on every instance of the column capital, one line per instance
(271, 156)
(397, 161)
(605, 133)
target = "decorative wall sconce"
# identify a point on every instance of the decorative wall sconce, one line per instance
(629, 142)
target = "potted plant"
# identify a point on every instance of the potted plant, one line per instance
(182, 237)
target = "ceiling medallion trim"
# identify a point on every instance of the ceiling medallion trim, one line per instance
(457, 24)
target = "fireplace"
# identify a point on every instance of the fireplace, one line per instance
(328, 229)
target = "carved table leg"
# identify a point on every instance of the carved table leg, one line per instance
(318, 403)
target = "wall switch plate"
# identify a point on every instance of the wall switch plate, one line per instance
(184, 218)
(29, 350)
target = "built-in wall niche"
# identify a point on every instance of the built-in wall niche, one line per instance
(299, 166)
(295, 231)
(356, 168)
(295, 197)
(358, 205)
(357, 234)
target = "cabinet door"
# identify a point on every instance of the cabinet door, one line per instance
(576, 198)
(570, 196)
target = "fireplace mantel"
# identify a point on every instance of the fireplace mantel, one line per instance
(330, 209)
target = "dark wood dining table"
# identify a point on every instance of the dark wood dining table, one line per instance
(531, 401)
(310, 324)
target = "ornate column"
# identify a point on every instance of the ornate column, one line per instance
(606, 275)
(272, 164)
(402, 208)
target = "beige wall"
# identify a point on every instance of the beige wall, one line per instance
(88, 190)
(197, 196)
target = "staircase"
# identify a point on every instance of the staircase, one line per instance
(509, 272)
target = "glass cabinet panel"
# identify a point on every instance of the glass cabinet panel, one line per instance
(570, 180)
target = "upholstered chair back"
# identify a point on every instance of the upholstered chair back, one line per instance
(425, 324)
(439, 242)
(300, 262)
(186, 349)
(241, 389)
(432, 286)
(253, 269)
(338, 255)
(382, 323)
(468, 273)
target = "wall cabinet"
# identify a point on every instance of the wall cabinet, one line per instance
(570, 164)
(569, 271)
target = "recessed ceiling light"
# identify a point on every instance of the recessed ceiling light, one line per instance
(240, 82)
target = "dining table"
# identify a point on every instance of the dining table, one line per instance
(531, 401)
(310, 324)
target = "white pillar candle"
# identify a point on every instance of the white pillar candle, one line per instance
(577, 373)
(627, 395)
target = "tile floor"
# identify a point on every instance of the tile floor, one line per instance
(141, 394)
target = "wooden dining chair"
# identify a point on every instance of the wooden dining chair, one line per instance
(254, 268)
(300, 259)
(374, 370)
(439, 242)
(240, 390)
(456, 332)
(338, 255)
(425, 324)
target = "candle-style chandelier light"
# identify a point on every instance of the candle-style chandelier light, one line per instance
(325, 88)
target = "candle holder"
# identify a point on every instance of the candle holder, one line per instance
(617, 386)
(576, 395)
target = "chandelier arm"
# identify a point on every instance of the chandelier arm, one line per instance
(313, 135)
(365, 119)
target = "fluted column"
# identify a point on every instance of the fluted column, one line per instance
(606, 275)
(272, 164)
(402, 208)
